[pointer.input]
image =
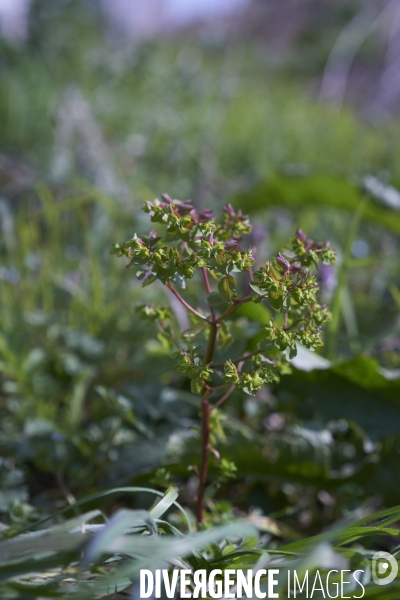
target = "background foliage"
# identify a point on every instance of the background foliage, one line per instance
(91, 128)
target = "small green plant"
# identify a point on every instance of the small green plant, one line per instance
(197, 243)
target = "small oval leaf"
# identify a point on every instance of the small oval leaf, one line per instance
(227, 288)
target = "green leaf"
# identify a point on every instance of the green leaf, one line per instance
(290, 352)
(191, 333)
(257, 289)
(119, 524)
(35, 591)
(39, 542)
(305, 360)
(214, 299)
(227, 288)
(179, 280)
(255, 312)
(196, 385)
(275, 300)
(286, 303)
(152, 550)
(356, 390)
(314, 191)
(164, 504)
(149, 280)
(104, 494)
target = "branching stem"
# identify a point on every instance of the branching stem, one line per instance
(240, 359)
(205, 407)
(183, 301)
(224, 397)
(233, 307)
(205, 439)
(208, 290)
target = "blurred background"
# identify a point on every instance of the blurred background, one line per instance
(287, 109)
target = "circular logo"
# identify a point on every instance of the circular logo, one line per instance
(384, 568)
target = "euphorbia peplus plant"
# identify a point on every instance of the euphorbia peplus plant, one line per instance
(198, 242)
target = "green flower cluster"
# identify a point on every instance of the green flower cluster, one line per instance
(196, 240)
(193, 240)
(251, 381)
(192, 367)
(290, 287)
(309, 252)
(228, 469)
(148, 312)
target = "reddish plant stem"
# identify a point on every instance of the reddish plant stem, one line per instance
(205, 407)
(205, 426)
(285, 325)
(240, 359)
(224, 397)
(206, 280)
(205, 403)
(216, 388)
(232, 387)
(205, 438)
(183, 301)
(233, 307)
(208, 290)
(212, 338)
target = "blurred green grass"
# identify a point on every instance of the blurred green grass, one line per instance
(199, 119)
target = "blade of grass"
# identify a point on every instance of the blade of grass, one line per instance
(333, 327)
(99, 496)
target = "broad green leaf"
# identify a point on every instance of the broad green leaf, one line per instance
(356, 389)
(305, 360)
(257, 289)
(196, 385)
(275, 300)
(315, 191)
(301, 455)
(255, 312)
(227, 288)
(215, 299)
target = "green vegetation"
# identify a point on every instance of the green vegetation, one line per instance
(95, 420)
(196, 241)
